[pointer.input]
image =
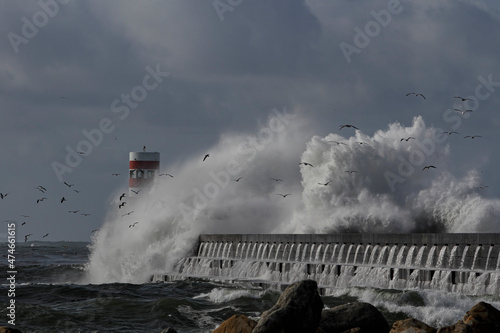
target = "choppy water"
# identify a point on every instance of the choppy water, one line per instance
(50, 296)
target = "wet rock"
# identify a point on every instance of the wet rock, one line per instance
(459, 327)
(4, 329)
(236, 324)
(411, 325)
(298, 310)
(483, 317)
(360, 315)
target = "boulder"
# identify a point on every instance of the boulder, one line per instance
(4, 329)
(236, 324)
(411, 325)
(360, 315)
(298, 310)
(483, 317)
(459, 327)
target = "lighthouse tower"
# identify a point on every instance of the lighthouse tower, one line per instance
(143, 168)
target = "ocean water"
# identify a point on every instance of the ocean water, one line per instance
(51, 295)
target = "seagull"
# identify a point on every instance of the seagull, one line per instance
(25, 216)
(351, 171)
(143, 148)
(284, 195)
(81, 153)
(206, 156)
(307, 164)
(361, 143)
(39, 200)
(237, 179)
(85, 214)
(449, 133)
(338, 142)
(324, 184)
(136, 192)
(45, 235)
(133, 225)
(406, 139)
(122, 196)
(63, 199)
(473, 136)
(342, 126)
(73, 211)
(166, 174)
(41, 189)
(463, 98)
(416, 95)
(463, 111)
(23, 223)
(115, 174)
(127, 213)
(276, 179)
(68, 185)
(26, 237)
(121, 205)
(482, 187)
(428, 167)
(3, 195)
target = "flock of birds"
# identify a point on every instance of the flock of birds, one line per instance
(122, 197)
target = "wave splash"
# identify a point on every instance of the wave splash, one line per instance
(359, 183)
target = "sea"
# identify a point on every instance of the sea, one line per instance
(50, 295)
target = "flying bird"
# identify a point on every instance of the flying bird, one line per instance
(237, 179)
(406, 139)
(115, 174)
(41, 199)
(276, 179)
(133, 225)
(68, 185)
(338, 142)
(136, 192)
(346, 125)
(416, 94)
(3, 195)
(206, 156)
(428, 167)
(85, 214)
(121, 205)
(284, 195)
(450, 133)
(122, 196)
(166, 174)
(324, 184)
(127, 213)
(463, 98)
(73, 211)
(482, 187)
(307, 164)
(472, 136)
(26, 237)
(41, 189)
(351, 171)
(45, 235)
(63, 199)
(23, 223)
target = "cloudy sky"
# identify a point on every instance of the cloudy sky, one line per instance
(109, 77)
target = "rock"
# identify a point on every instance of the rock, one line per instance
(298, 310)
(360, 315)
(483, 317)
(236, 324)
(4, 329)
(411, 325)
(459, 327)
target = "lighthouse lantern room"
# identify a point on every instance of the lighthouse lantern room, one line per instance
(143, 168)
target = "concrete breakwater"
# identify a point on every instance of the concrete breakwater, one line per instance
(465, 263)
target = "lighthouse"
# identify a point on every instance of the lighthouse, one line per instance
(143, 168)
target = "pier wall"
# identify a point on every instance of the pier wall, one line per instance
(467, 263)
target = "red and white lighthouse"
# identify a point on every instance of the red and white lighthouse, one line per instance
(143, 168)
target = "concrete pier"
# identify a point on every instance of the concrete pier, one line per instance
(466, 263)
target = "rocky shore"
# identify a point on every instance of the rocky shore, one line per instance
(299, 309)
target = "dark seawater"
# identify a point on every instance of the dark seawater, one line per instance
(51, 296)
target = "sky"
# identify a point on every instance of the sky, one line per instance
(108, 77)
